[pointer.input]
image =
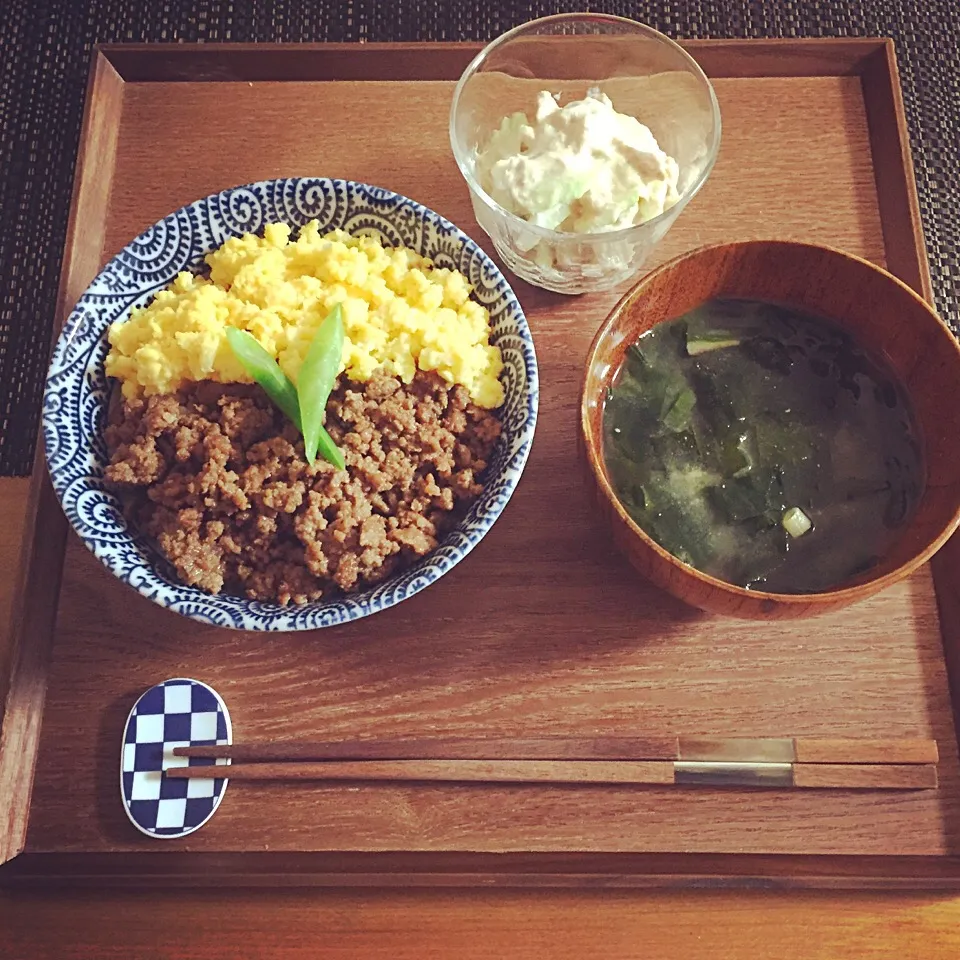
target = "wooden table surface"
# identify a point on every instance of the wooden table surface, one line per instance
(468, 923)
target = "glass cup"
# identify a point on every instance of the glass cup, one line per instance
(645, 75)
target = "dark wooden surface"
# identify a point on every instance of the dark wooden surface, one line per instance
(289, 924)
(597, 650)
(474, 924)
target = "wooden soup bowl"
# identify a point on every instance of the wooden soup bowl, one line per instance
(885, 317)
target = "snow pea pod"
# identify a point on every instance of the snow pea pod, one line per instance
(329, 450)
(265, 371)
(314, 383)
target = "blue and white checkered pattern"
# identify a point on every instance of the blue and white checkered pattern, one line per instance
(175, 713)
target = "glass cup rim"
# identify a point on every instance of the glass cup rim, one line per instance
(545, 233)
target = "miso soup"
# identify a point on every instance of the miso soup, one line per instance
(763, 446)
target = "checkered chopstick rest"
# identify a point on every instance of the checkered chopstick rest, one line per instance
(176, 713)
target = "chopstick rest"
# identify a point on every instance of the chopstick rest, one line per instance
(179, 712)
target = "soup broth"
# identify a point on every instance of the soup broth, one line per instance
(762, 445)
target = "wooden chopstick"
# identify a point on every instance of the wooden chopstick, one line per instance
(801, 750)
(448, 748)
(662, 772)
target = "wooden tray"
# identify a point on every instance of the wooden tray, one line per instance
(544, 628)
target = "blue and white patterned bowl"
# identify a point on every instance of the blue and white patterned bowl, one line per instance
(77, 390)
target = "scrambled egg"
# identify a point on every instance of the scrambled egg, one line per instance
(400, 314)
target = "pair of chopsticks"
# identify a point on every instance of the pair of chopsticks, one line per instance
(732, 761)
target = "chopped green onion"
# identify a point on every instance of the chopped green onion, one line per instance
(796, 522)
(265, 371)
(314, 383)
(705, 343)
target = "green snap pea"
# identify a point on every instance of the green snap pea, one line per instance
(329, 450)
(314, 383)
(265, 371)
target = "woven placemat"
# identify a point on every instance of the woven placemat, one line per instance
(44, 55)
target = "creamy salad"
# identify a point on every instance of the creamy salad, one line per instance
(581, 168)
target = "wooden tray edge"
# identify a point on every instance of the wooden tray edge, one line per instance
(204, 62)
(403, 870)
(34, 619)
(45, 527)
(894, 177)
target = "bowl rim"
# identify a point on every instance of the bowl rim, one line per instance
(593, 443)
(264, 616)
(545, 233)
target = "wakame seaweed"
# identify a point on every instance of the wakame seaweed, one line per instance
(721, 421)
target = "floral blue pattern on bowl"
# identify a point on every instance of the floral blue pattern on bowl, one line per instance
(77, 391)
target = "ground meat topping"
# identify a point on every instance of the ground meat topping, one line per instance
(216, 476)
